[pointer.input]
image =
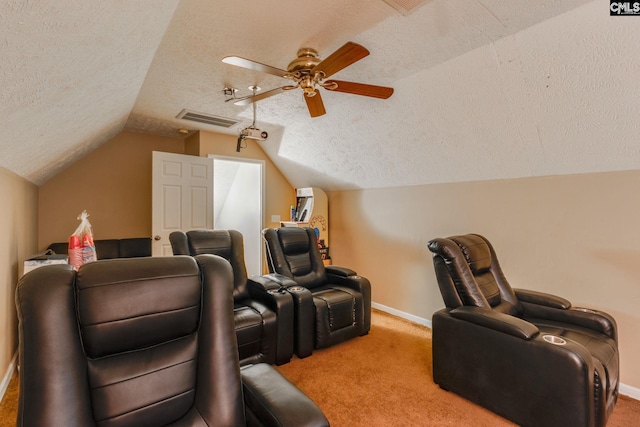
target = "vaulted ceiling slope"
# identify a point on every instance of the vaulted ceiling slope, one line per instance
(484, 89)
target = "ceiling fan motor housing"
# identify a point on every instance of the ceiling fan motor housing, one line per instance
(306, 60)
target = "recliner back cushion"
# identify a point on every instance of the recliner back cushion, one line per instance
(478, 256)
(141, 350)
(134, 247)
(216, 242)
(107, 249)
(229, 245)
(296, 246)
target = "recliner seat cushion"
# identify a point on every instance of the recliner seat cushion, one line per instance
(338, 314)
(340, 305)
(249, 330)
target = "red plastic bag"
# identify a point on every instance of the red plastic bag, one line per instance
(81, 247)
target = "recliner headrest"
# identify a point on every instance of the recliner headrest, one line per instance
(120, 308)
(476, 252)
(294, 241)
(216, 242)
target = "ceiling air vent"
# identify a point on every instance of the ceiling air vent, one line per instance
(194, 116)
(405, 6)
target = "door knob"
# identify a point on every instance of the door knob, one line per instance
(157, 237)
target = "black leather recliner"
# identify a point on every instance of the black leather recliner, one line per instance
(332, 304)
(144, 341)
(263, 313)
(526, 355)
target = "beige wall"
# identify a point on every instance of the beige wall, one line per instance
(18, 228)
(112, 183)
(575, 236)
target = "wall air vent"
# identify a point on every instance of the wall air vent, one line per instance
(208, 119)
(405, 6)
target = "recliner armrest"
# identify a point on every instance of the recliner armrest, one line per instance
(541, 298)
(339, 271)
(347, 277)
(550, 307)
(270, 397)
(275, 296)
(272, 280)
(497, 321)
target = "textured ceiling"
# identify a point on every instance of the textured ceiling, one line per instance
(484, 89)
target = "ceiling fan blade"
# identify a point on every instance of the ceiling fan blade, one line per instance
(315, 105)
(341, 58)
(381, 92)
(249, 99)
(253, 65)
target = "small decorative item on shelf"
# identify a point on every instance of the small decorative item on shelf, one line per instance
(311, 210)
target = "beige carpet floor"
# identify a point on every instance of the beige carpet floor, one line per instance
(384, 379)
(381, 379)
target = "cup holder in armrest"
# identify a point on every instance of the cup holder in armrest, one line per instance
(276, 291)
(553, 339)
(296, 288)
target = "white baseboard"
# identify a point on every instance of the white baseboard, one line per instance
(402, 314)
(632, 392)
(626, 390)
(7, 376)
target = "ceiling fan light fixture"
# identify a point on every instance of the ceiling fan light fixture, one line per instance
(308, 84)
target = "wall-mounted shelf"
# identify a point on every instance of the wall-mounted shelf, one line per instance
(312, 210)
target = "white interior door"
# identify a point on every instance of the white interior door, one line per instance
(182, 193)
(238, 204)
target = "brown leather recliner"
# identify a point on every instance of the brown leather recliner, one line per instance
(263, 313)
(332, 304)
(526, 355)
(145, 341)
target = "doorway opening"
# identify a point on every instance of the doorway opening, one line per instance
(238, 188)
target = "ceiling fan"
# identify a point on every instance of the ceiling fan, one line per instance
(308, 72)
